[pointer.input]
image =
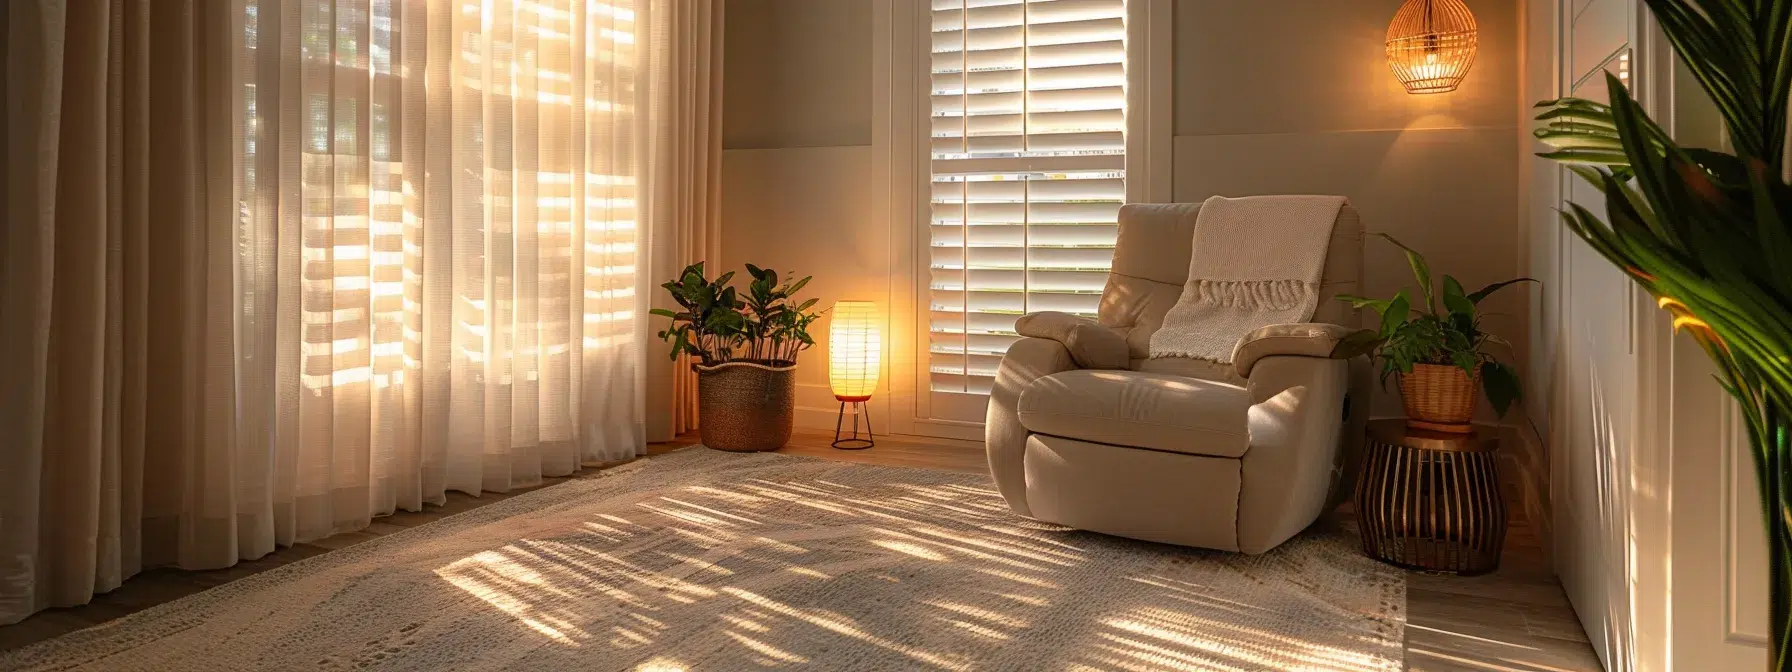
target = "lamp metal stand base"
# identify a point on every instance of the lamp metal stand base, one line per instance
(853, 441)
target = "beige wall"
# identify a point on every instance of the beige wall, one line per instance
(1271, 96)
(1315, 110)
(799, 192)
(797, 73)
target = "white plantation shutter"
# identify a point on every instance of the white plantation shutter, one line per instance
(1028, 171)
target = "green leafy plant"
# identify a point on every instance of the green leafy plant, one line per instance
(718, 324)
(1422, 334)
(1706, 232)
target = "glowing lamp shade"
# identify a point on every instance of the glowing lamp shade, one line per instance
(1431, 45)
(854, 350)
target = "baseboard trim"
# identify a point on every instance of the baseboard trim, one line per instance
(813, 417)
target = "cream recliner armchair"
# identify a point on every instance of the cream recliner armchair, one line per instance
(1085, 431)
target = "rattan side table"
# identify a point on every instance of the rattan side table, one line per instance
(1431, 500)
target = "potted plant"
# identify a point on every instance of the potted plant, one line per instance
(1706, 232)
(1440, 357)
(746, 348)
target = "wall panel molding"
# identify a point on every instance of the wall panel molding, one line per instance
(1743, 538)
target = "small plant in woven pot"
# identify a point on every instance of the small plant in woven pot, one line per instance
(1439, 355)
(744, 346)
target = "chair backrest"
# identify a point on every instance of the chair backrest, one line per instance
(1151, 263)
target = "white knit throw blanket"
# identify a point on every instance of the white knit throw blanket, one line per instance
(1257, 261)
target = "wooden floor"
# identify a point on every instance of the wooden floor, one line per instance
(1514, 619)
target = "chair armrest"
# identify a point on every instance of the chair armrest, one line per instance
(1297, 423)
(1306, 339)
(1092, 346)
(1004, 438)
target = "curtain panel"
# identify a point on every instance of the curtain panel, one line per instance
(441, 218)
(118, 382)
(276, 267)
(685, 197)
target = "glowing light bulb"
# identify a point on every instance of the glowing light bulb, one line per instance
(855, 350)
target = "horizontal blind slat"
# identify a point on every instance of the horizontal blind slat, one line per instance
(1090, 77)
(1030, 35)
(1034, 191)
(1014, 166)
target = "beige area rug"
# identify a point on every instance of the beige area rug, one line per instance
(714, 561)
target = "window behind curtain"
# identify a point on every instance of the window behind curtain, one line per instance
(440, 237)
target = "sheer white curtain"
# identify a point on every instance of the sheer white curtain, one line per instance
(441, 225)
(275, 267)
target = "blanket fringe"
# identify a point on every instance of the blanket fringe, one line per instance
(1253, 295)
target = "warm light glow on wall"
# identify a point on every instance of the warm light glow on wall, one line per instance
(855, 349)
(1431, 45)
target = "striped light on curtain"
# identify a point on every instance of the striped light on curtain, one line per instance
(441, 219)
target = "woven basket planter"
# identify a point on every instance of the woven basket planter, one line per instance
(1440, 397)
(745, 407)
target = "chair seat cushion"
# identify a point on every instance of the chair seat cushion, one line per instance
(1140, 410)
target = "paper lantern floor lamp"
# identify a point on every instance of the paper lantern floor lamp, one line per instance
(854, 350)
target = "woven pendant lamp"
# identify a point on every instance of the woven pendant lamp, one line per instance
(1431, 45)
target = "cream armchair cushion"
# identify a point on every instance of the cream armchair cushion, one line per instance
(1128, 408)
